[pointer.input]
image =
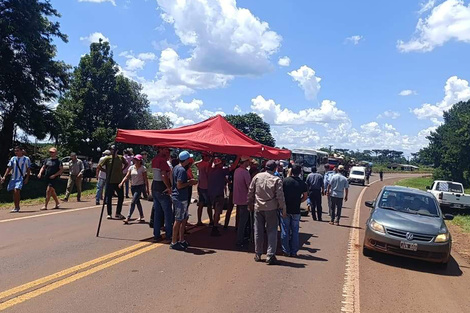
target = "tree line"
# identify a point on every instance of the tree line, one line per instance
(380, 156)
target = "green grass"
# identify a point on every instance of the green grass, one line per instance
(416, 182)
(34, 192)
(463, 221)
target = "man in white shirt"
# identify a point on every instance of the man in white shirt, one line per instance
(19, 168)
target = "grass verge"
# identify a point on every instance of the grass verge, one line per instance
(463, 221)
(416, 182)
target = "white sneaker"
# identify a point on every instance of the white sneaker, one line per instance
(120, 217)
(15, 210)
(109, 217)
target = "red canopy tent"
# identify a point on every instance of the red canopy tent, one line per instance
(214, 134)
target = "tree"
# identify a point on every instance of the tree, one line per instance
(253, 126)
(100, 101)
(29, 75)
(449, 145)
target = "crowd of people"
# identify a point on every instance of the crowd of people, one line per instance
(266, 197)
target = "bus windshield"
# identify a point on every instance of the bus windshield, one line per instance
(307, 160)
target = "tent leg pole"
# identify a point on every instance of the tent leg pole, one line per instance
(108, 179)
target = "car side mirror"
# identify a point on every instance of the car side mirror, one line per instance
(428, 188)
(448, 217)
(369, 204)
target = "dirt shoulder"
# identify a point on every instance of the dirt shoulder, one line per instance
(460, 241)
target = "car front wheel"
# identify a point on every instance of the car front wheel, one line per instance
(367, 252)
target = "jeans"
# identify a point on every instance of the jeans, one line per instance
(244, 217)
(315, 203)
(109, 198)
(136, 192)
(76, 181)
(266, 220)
(99, 188)
(163, 211)
(290, 234)
(336, 206)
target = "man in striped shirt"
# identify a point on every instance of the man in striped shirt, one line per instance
(19, 168)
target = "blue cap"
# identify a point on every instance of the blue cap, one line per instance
(184, 155)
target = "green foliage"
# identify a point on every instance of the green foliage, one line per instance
(29, 74)
(416, 182)
(449, 145)
(99, 102)
(463, 221)
(253, 126)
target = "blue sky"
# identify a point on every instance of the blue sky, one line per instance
(348, 62)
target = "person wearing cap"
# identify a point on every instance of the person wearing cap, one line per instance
(202, 188)
(115, 176)
(266, 198)
(179, 196)
(337, 189)
(217, 181)
(52, 169)
(241, 184)
(161, 194)
(315, 186)
(76, 170)
(137, 173)
(101, 178)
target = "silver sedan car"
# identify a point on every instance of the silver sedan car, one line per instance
(407, 222)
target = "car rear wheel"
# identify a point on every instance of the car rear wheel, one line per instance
(367, 252)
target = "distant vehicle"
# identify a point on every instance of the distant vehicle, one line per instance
(309, 158)
(449, 194)
(89, 172)
(357, 174)
(407, 222)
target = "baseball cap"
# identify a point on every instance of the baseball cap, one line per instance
(341, 167)
(271, 165)
(184, 155)
(107, 152)
(138, 157)
(245, 158)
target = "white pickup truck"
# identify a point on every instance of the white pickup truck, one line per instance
(450, 194)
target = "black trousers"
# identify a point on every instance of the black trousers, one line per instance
(315, 203)
(109, 198)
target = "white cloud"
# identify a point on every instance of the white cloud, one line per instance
(389, 114)
(237, 109)
(354, 39)
(224, 38)
(272, 113)
(305, 77)
(147, 56)
(389, 127)
(95, 37)
(185, 113)
(407, 92)
(133, 64)
(448, 21)
(284, 61)
(99, 1)
(194, 105)
(426, 6)
(455, 90)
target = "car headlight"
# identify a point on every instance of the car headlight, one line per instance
(442, 237)
(377, 227)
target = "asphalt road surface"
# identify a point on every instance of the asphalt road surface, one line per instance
(52, 262)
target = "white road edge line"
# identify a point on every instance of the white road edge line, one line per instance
(351, 299)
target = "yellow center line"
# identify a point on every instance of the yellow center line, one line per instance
(134, 250)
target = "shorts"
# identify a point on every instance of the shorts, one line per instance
(181, 210)
(203, 197)
(218, 202)
(52, 182)
(15, 184)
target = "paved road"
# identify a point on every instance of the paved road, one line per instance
(52, 262)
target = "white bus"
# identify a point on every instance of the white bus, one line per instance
(309, 158)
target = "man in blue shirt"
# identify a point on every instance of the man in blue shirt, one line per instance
(179, 195)
(337, 189)
(19, 167)
(315, 191)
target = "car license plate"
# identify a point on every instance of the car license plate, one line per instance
(408, 246)
(457, 206)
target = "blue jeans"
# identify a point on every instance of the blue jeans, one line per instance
(290, 234)
(136, 193)
(100, 188)
(162, 206)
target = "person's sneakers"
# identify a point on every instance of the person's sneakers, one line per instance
(43, 208)
(126, 221)
(271, 260)
(286, 254)
(141, 219)
(97, 203)
(65, 200)
(78, 199)
(185, 244)
(337, 223)
(200, 224)
(257, 258)
(176, 246)
(314, 218)
(293, 255)
(331, 222)
(109, 217)
(151, 223)
(215, 232)
(119, 216)
(15, 210)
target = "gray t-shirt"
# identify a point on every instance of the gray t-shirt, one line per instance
(137, 175)
(338, 183)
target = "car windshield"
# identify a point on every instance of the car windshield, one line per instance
(449, 187)
(305, 159)
(357, 173)
(409, 202)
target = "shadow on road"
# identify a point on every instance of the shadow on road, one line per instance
(453, 268)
